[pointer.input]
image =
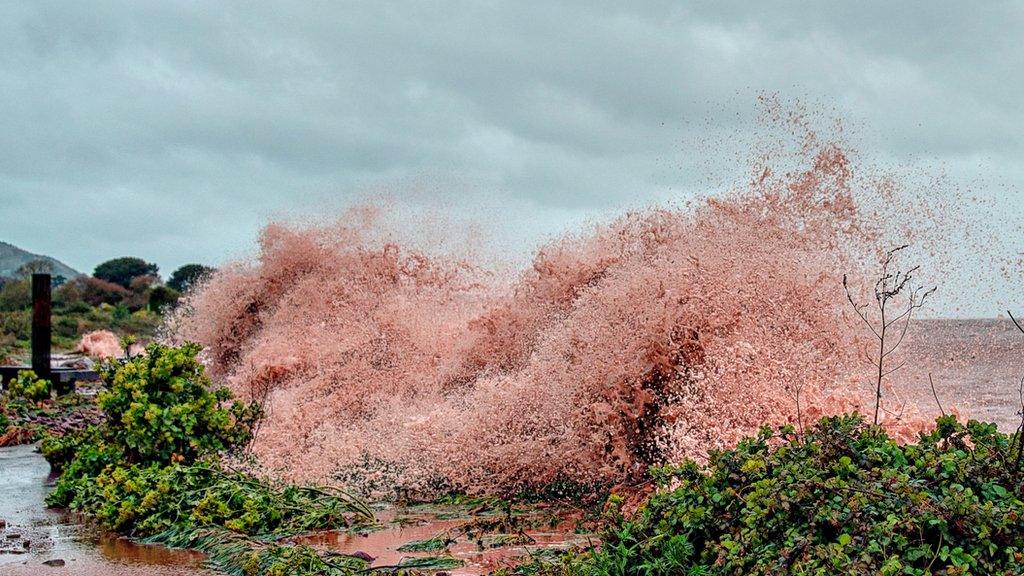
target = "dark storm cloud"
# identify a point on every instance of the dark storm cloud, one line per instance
(174, 130)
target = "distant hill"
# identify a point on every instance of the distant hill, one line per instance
(12, 258)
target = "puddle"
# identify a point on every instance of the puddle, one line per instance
(483, 540)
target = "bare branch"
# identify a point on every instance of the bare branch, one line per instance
(935, 394)
(891, 289)
(858, 309)
(908, 314)
(1015, 323)
(891, 370)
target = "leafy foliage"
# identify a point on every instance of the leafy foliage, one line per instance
(165, 410)
(29, 386)
(74, 315)
(161, 297)
(123, 270)
(92, 291)
(169, 503)
(187, 276)
(15, 295)
(842, 498)
(160, 410)
(152, 470)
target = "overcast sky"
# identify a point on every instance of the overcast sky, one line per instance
(174, 130)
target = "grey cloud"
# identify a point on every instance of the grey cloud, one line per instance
(173, 130)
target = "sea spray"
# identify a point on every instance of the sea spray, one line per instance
(659, 335)
(662, 334)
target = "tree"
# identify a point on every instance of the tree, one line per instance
(92, 291)
(892, 289)
(16, 295)
(161, 297)
(37, 266)
(188, 276)
(122, 271)
(140, 287)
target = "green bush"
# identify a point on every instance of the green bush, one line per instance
(17, 324)
(170, 503)
(29, 386)
(163, 408)
(15, 295)
(152, 469)
(842, 498)
(160, 409)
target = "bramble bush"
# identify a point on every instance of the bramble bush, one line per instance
(841, 498)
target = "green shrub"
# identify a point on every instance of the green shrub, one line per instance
(842, 498)
(170, 503)
(29, 386)
(17, 324)
(152, 470)
(160, 409)
(15, 295)
(163, 408)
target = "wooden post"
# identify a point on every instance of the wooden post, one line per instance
(41, 328)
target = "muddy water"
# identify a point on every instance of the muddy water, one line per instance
(33, 534)
(482, 540)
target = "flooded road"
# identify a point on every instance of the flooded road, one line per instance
(37, 540)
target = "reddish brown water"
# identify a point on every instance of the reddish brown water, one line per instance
(653, 337)
(481, 553)
(976, 366)
(658, 336)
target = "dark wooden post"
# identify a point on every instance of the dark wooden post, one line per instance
(41, 328)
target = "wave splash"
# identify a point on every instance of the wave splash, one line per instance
(662, 334)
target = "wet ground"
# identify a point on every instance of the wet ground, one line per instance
(33, 535)
(466, 540)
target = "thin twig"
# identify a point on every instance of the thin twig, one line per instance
(1017, 324)
(935, 394)
(889, 287)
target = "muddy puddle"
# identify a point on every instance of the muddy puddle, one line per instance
(463, 540)
(37, 540)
